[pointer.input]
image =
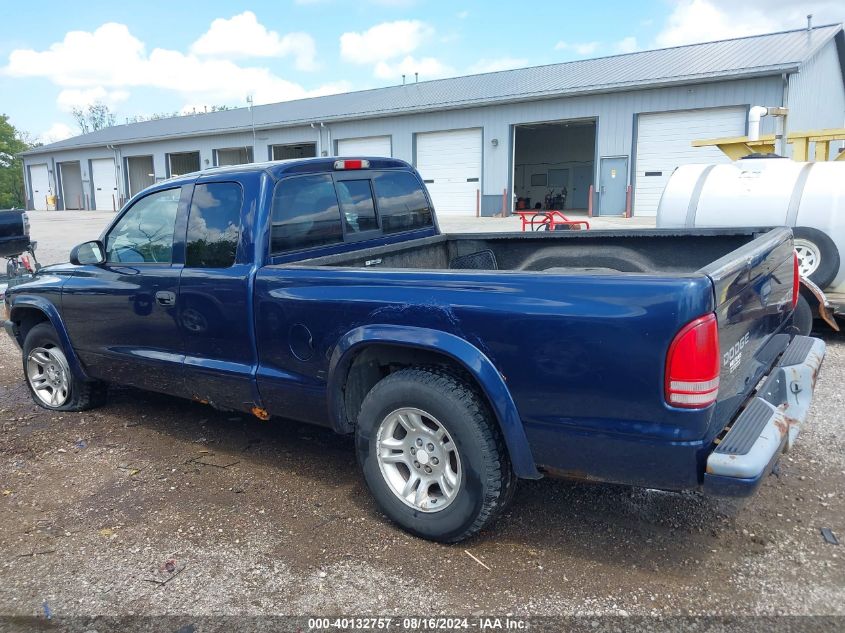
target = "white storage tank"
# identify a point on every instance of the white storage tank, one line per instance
(767, 191)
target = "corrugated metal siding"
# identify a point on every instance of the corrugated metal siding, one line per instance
(816, 93)
(615, 113)
(750, 56)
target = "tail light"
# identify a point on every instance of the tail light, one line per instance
(796, 280)
(692, 365)
(352, 164)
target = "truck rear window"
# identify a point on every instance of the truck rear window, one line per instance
(305, 213)
(402, 204)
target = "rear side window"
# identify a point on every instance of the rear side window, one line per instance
(402, 204)
(305, 213)
(213, 225)
(356, 205)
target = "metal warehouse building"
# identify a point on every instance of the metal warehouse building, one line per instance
(543, 133)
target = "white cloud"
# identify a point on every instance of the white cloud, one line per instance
(582, 48)
(244, 36)
(499, 63)
(427, 67)
(56, 132)
(462, 15)
(384, 41)
(83, 59)
(705, 20)
(627, 45)
(110, 60)
(71, 98)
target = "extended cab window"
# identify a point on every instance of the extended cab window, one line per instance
(145, 232)
(402, 204)
(356, 205)
(305, 213)
(213, 225)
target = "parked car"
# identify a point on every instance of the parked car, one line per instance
(14, 232)
(767, 191)
(322, 290)
(16, 248)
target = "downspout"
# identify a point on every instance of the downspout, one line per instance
(26, 192)
(782, 128)
(329, 139)
(319, 139)
(117, 180)
(53, 182)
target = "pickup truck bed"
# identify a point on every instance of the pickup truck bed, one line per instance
(578, 324)
(641, 251)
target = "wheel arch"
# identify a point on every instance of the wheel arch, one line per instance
(355, 368)
(28, 311)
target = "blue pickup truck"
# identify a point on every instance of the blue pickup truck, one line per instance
(321, 290)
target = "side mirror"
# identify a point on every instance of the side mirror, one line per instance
(88, 254)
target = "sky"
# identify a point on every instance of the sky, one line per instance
(147, 57)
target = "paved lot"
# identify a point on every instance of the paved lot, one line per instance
(156, 505)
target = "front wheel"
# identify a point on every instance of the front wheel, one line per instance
(432, 454)
(51, 382)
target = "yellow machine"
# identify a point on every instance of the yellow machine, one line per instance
(739, 146)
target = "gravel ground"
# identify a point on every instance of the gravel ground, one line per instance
(156, 505)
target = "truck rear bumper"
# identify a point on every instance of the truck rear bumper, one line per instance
(769, 423)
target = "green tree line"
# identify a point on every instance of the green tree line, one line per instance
(12, 142)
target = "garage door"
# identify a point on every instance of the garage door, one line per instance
(72, 195)
(105, 191)
(450, 164)
(369, 146)
(141, 173)
(40, 181)
(664, 143)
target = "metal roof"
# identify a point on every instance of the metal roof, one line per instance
(758, 55)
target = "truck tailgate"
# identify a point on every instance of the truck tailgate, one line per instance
(753, 298)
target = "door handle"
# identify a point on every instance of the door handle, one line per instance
(165, 298)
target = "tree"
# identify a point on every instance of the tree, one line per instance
(12, 142)
(95, 117)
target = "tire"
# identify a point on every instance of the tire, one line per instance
(817, 255)
(51, 383)
(473, 458)
(802, 318)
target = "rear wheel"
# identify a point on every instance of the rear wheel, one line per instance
(432, 454)
(49, 378)
(818, 257)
